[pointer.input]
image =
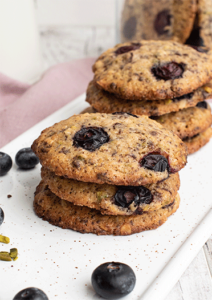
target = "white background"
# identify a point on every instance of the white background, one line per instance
(76, 12)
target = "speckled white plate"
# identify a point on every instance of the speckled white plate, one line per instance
(60, 262)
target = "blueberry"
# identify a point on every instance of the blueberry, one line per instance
(129, 29)
(125, 49)
(170, 70)
(129, 194)
(90, 138)
(5, 163)
(1, 216)
(26, 158)
(155, 162)
(162, 22)
(31, 294)
(113, 280)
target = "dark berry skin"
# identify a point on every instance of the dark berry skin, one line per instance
(31, 294)
(26, 159)
(162, 20)
(129, 29)
(1, 216)
(5, 163)
(129, 194)
(125, 49)
(90, 138)
(113, 280)
(167, 71)
(155, 162)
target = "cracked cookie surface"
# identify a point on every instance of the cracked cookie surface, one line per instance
(132, 140)
(153, 70)
(64, 214)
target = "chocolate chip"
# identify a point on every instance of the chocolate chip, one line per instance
(202, 104)
(124, 113)
(162, 20)
(113, 86)
(129, 194)
(155, 162)
(188, 138)
(125, 49)
(129, 29)
(168, 205)
(64, 150)
(154, 133)
(170, 70)
(90, 138)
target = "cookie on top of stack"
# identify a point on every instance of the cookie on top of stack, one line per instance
(164, 80)
(108, 173)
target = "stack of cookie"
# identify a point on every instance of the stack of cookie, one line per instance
(187, 21)
(108, 173)
(164, 80)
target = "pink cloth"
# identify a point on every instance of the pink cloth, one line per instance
(23, 105)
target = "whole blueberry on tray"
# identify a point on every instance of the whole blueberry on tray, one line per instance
(113, 280)
(1, 216)
(26, 158)
(31, 294)
(5, 163)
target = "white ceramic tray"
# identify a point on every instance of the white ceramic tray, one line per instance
(60, 262)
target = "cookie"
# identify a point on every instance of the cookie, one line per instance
(64, 214)
(198, 141)
(88, 110)
(152, 70)
(187, 122)
(201, 34)
(106, 102)
(157, 20)
(111, 199)
(119, 149)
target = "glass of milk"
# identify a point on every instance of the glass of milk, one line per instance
(20, 54)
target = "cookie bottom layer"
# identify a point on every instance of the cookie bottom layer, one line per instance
(64, 214)
(198, 141)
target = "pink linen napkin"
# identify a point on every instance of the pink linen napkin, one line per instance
(23, 105)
